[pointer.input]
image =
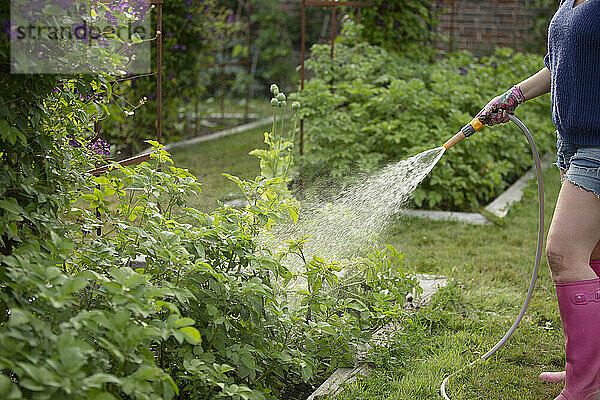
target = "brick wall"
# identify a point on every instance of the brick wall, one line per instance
(481, 25)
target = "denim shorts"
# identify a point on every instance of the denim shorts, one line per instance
(581, 164)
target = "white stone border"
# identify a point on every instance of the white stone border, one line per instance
(468, 218)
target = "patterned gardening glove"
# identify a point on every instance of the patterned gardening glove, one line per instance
(497, 110)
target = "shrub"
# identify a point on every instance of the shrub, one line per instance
(369, 106)
(210, 316)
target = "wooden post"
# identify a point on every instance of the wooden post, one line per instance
(452, 36)
(333, 9)
(249, 77)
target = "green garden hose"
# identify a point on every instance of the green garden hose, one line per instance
(538, 257)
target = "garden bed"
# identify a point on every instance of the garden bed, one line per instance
(370, 107)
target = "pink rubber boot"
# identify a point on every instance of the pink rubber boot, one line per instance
(554, 377)
(579, 306)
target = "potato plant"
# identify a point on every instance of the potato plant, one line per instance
(209, 316)
(369, 107)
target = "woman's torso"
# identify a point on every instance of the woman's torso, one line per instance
(574, 61)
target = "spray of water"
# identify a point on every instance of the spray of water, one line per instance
(358, 216)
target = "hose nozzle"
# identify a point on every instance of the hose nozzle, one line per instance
(465, 132)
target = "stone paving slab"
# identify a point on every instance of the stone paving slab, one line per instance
(227, 115)
(340, 376)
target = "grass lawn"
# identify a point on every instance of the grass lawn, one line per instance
(208, 160)
(490, 268)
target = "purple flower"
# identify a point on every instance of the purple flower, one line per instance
(6, 26)
(463, 71)
(186, 99)
(58, 88)
(111, 18)
(118, 6)
(178, 46)
(170, 34)
(9, 30)
(494, 65)
(140, 9)
(92, 67)
(189, 16)
(100, 147)
(37, 5)
(151, 96)
(230, 18)
(73, 142)
(81, 32)
(171, 76)
(188, 3)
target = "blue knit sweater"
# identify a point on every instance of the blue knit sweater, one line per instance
(574, 62)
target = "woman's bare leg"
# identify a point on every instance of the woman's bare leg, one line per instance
(573, 241)
(574, 234)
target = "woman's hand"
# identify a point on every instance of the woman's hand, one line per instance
(497, 110)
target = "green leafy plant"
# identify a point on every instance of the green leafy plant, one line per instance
(194, 35)
(370, 106)
(209, 313)
(544, 10)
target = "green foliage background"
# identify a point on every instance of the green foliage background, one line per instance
(406, 27)
(369, 107)
(545, 9)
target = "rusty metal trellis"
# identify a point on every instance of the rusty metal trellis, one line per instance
(141, 158)
(159, 4)
(333, 5)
